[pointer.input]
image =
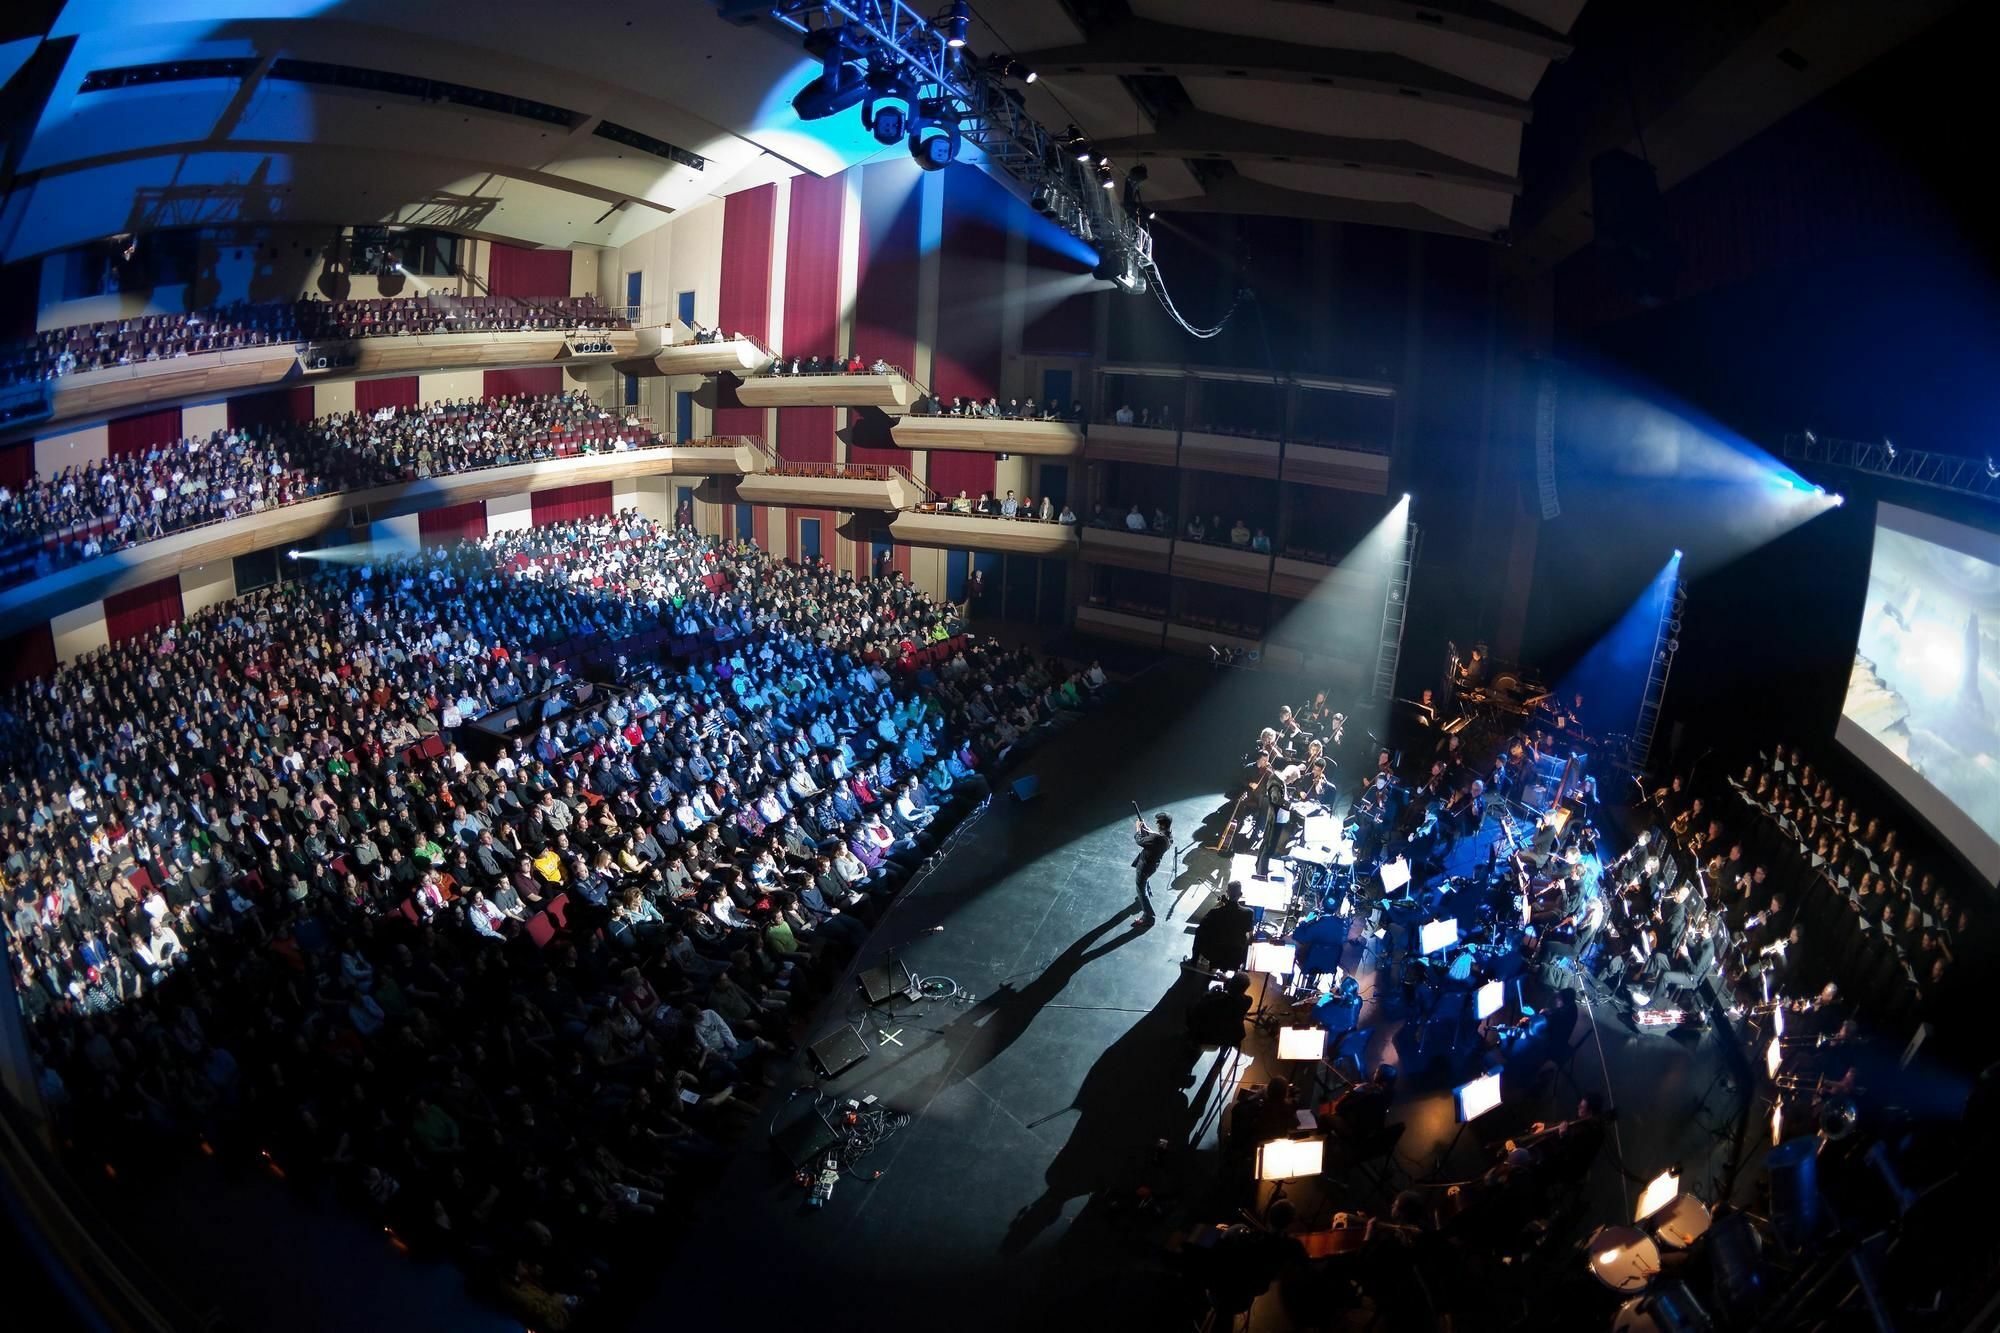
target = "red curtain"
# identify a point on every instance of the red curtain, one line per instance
(566, 504)
(885, 304)
(538, 381)
(535, 274)
(374, 395)
(743, 304)
(17, 463)
(135, 435)
(955, 470)
(273, 408)
(127, 615)
(30, 655)
(452, 523)
(805, 434)
(1067, 328)
(812, 265)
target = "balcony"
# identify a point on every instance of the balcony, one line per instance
(1121, 625)
(1112, 443)
(1238, 455)
(831, 486)
(87, 395)
(892, 393)
(1195, 640)
(1231, 566)
(1342, 588)
(973, 532)
(1336, 468)
(998, 435)
(132, 566)
(742, 357)
(1128, 550)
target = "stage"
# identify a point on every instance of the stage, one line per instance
(1051, 1083)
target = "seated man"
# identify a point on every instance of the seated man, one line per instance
(1222, 939)
(1362, 1112)
(1216, 1019)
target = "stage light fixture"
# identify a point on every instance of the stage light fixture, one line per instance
(953, 23)
(1810, 437)
(1009, 68)
(932, 144)
(1992, 469)
(1105, 176)
(1839, 500)
(1890, 445)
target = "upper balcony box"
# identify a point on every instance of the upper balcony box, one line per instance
(1128, 550)
(116, 390)
(892, 393)
(1112, 443)
(830, 487)
(1237, 455)
(1336, 468)
(1228, 565)
(740, 356)
(967, 532)
(998, 435)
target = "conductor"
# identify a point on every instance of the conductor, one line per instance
(1153, 845)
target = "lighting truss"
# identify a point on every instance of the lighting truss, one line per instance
(1945, 472)
(1036, 165)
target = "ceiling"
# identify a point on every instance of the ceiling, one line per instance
(1375, 111)
(1461, 117)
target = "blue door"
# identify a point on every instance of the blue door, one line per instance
(1055, 484)
(808, 539)
(957, 564)
(683, 416)
(635, 286)
(878, 552)
(1057, 386)
(631, 391)
(746, 523)
(684, 308)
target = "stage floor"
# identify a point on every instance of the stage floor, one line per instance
(1041, 1094)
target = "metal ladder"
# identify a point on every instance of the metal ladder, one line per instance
(1395, 610)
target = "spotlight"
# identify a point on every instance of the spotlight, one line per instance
(933, 145)
(954, 23)
(888, 123)
(1810, 437)
(1009, 68)
(1890, 445)
(1992, 470)
(1840, 500)
(1677, 553)
(292, 554)
(1406, 497)
(1105, 176)
(840, 84)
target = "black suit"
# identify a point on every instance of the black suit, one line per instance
(1223, 937)
(1153, 846)
(1272, 797)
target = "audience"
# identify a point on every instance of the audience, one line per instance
(82, 512)
(53, 353)
(262, 896)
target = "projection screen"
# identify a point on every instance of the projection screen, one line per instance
(1923, 702)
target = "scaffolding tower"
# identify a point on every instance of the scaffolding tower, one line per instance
(1666, 642)
(1395, 611)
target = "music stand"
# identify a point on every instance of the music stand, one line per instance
(1280, 1160)
(1273, 960)
(1395, 874)
(1488, 1000)
(1302, 1043)
(1469, 1102)
(1435, 935)
(1660, 1191)
(1774, 1058)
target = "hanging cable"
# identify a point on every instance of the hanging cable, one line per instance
(1158, 284)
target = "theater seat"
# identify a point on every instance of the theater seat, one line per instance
(559, 909)
(540, 929)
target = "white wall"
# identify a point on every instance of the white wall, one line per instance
(201, 420)
(205, 585)
(53, 453)
(80, 631)
(583, 265)
(509, 513)
(451, 384)
(332, 397)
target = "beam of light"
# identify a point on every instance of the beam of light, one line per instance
(1611, 676)
(1657, 472)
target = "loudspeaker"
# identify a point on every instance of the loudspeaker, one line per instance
(806, 1139)
(841, 1050)
(886, 981)
(1027, 789)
